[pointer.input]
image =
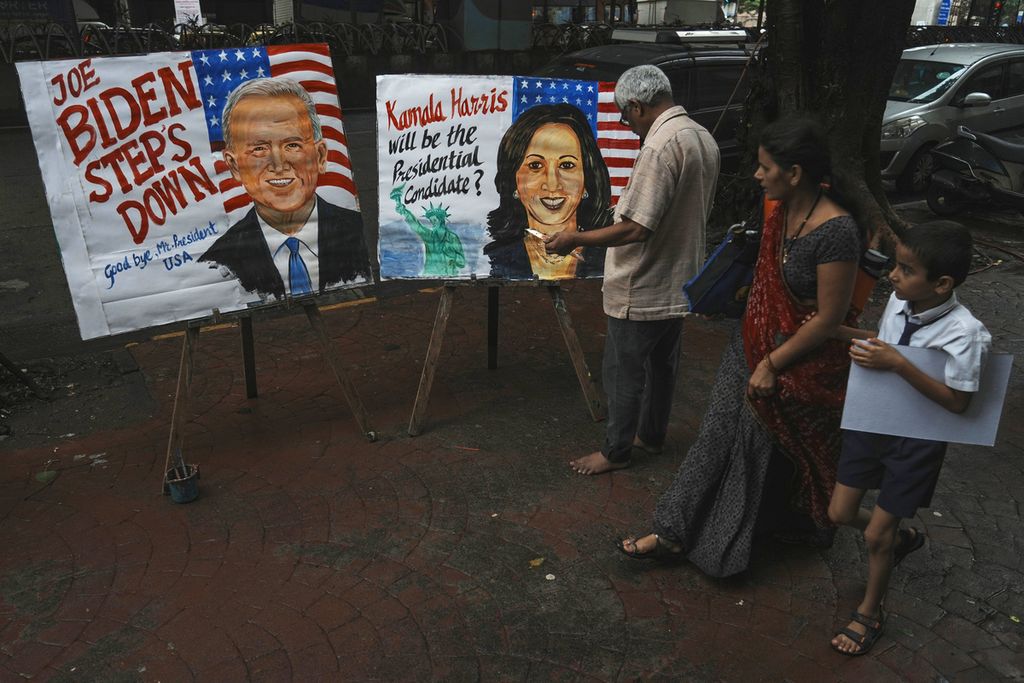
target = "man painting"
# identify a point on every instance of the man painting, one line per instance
(292, 242)
(655, 245)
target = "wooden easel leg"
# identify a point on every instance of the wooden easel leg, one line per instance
(248, 356)
(419, 408)
(355, 403)
(572, 342)
(492, 326)
(182, 396)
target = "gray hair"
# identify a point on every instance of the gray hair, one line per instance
(647, 84)
(269, 87)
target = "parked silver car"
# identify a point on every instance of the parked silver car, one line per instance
(939, 87)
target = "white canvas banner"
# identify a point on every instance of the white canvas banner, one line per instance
(882, 402)
(474, 170)
(157, 220)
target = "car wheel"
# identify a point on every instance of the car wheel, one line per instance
(918, 173)
(943, 202)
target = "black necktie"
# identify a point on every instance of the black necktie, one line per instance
(910, 328)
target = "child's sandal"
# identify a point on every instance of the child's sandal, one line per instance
(910, 539)
(864, 641)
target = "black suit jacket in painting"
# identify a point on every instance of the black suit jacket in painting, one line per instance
(341, 250)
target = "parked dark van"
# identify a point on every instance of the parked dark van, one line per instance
(704, 75)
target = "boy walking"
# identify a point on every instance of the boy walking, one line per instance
(923, 311)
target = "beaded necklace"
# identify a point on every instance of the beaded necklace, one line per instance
(787, 242)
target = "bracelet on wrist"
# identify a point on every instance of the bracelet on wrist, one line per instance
(771, 366)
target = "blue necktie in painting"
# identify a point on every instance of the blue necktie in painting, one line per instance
(298, 275)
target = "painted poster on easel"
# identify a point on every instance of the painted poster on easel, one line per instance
(183, 182)
(475, 170)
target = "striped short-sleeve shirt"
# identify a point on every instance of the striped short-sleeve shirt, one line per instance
(669, 192)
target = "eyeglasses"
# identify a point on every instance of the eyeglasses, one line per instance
(622, 118)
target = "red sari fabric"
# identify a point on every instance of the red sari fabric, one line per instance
(804, 414)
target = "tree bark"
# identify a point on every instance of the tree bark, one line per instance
(835, 59)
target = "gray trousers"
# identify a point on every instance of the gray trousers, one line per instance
(640, 362)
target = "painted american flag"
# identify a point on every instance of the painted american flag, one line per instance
(596, 99)
(619, 145)
(222, 70)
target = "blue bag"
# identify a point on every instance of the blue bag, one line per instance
(723, 283)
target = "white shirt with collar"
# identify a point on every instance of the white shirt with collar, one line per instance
(306, 235)
(949, 327)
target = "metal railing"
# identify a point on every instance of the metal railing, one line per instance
(35, 40)
(934, 35)
(569, 37)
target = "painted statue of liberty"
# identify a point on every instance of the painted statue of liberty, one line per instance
(442, 248)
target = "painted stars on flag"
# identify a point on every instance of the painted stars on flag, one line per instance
(530, 91)
(596, 99)
(219, 72)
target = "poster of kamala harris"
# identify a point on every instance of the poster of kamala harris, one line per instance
(182, 182)
(475, 170)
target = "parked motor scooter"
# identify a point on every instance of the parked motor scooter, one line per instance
(975, 168)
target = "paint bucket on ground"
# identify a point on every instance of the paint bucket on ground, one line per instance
(183, 483)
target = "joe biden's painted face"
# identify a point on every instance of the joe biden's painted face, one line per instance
(273, 154)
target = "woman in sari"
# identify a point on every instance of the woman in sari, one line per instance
(780, 387)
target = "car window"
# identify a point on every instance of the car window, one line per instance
(923, 81)
(988, 80)
(715, 84)
(1015, 79)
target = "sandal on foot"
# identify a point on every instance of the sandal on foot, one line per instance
(864, 641)
(910, 539)
(663, 550)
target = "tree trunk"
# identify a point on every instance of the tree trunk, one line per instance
(835, 59)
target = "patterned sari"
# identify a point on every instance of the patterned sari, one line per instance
(804, 413)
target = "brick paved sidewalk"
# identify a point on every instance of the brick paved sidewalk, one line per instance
(470, 552)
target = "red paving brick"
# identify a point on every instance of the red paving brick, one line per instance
(312, 554)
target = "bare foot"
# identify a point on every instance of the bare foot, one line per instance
(596, 463)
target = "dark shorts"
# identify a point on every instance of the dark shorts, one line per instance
(904, 469)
